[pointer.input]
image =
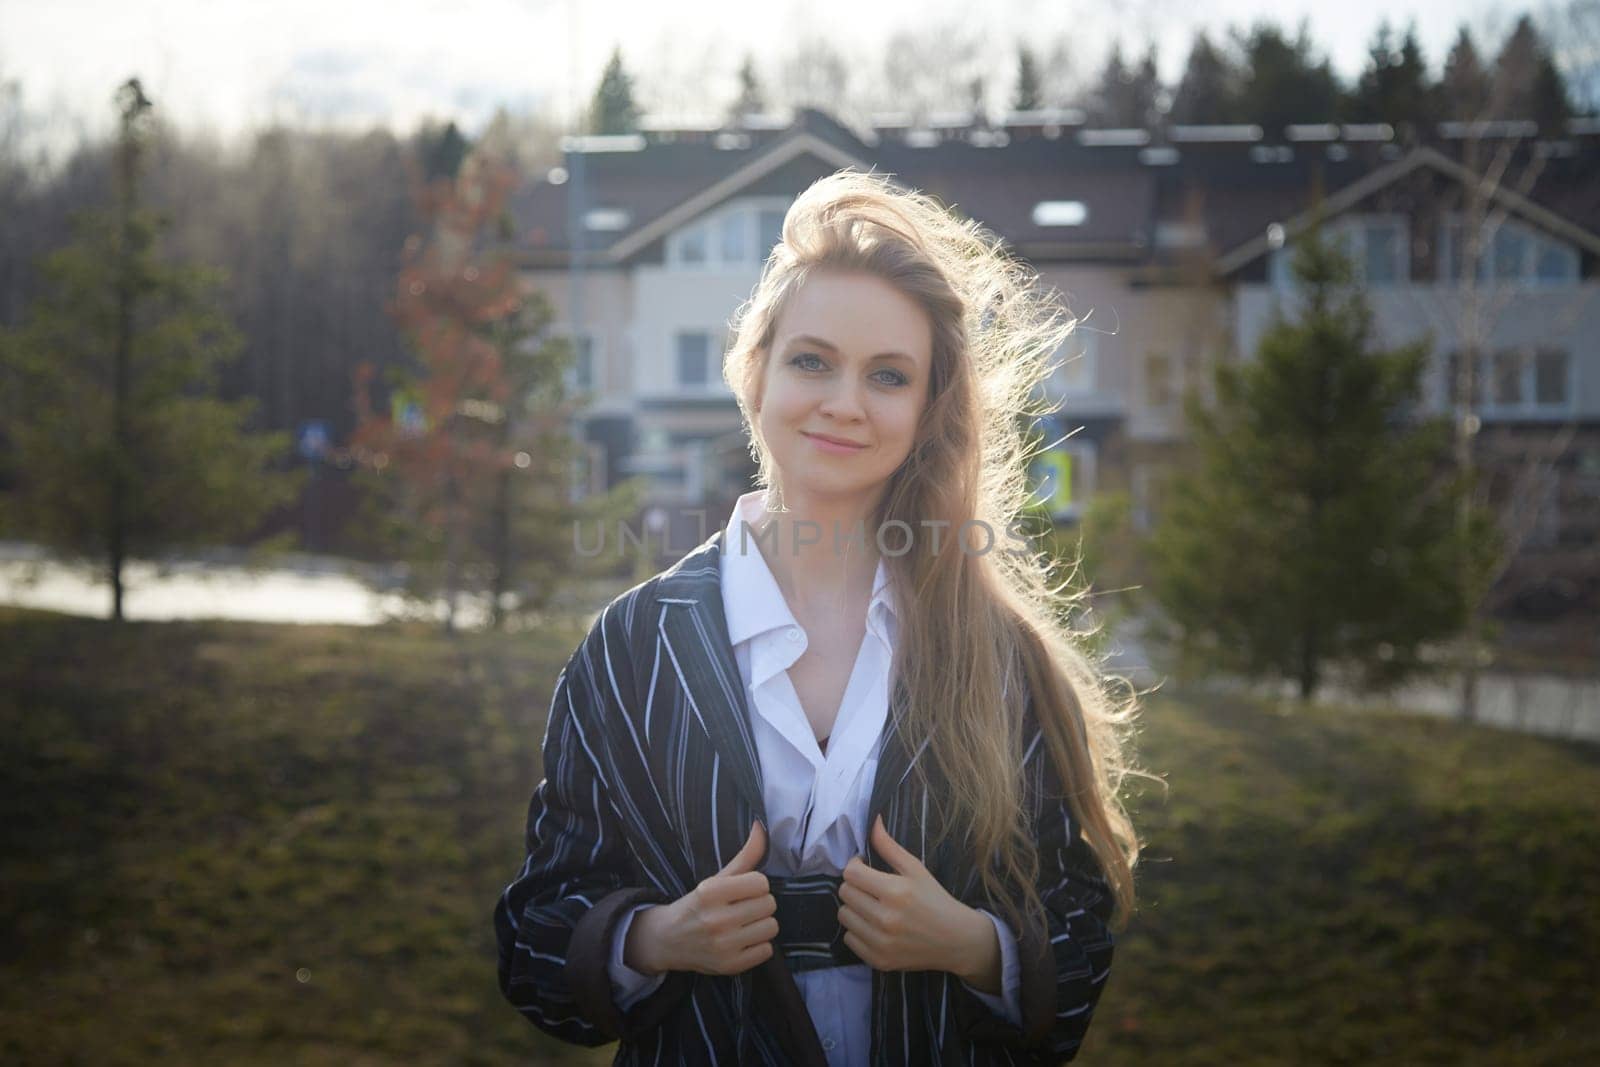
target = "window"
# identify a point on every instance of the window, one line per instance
(583, 362)
(1546, 491)
(1511, 248)
(1517, 380)
(1075, 365)
(580, 373)
(771, 232)
(1508, 376)
(588, 471)
(1143, 492)
(1451, 385)
(1514, 253)
(1378, 247)
(732, 231)
(1158, 391)
(1060, 213)
(607, 219)
(1555, 263)
(1382, 251)
(694, 348)
(1551, 372)
(692, 245)
(737, 234)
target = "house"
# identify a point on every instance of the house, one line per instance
(1170, 244)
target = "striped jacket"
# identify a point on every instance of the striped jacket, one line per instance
(651, 783)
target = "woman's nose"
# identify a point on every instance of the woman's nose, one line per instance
(843, 401)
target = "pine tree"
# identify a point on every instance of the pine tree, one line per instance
(1029, 93)
(613, 110)
(118, 447)
(751, 99)
(1283, 82)
(1527, 83)
(1209, 88)
(1127, 96)
(1464, 87)
(1393, 87)
(1318, 524)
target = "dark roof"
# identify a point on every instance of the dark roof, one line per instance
(1232, 182)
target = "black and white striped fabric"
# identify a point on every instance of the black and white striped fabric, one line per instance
(651, 783)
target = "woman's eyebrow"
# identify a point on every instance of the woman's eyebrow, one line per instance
(809, 339)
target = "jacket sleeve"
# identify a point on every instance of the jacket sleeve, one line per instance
(1008, 1005)
(629, 986)
(554, 923)
(1064, 967)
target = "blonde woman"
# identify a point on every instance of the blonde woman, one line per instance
(840, 787)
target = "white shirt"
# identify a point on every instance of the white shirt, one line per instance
(816, 803)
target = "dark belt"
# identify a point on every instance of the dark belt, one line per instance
(809, 934)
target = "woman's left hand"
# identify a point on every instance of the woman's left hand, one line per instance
(905, 921)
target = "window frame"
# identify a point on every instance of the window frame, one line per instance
(1174, 387)
(1538, 242)
(1088, 359)
(1350, 231)
(711, 228)
(678, 336)
(577, 338)
(1488, 378)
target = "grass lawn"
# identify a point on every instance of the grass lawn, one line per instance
(251, 844)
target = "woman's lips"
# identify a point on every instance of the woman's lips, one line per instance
(832, 446)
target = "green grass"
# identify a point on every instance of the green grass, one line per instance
(197, 816)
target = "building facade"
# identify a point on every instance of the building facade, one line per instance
(1171, 246)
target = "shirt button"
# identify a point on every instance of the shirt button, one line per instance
(794, 633)
(827, 1044)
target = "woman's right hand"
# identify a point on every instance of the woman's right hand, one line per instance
(725, 925)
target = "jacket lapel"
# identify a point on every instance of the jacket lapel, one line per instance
(696, 632)
(694, 628)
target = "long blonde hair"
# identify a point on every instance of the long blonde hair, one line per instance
(995, 329)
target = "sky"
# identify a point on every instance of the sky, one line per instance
(234, 65)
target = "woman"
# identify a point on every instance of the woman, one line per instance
(839, 787)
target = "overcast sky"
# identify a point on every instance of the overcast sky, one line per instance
(234, 64)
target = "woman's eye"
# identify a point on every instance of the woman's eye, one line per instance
(887, 377)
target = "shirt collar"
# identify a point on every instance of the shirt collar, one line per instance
(752, 601)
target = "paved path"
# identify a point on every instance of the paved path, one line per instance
(310, 589)
(1556, 705)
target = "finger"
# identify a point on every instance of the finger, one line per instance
(749, 857)
(862, 905)
(757, 932)
(862, 949)
(754, 956)
(726, 889)
(899, 858)
(858, 873)
(888, 848)
(754, 909)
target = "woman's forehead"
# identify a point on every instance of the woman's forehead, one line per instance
(858, 314)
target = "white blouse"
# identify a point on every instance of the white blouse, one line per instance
(816, 802)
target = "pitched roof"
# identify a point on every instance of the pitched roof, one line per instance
(1145, 197)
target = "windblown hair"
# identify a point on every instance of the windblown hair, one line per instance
(981, 616)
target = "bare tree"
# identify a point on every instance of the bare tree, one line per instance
(1503, 160)
(932, 68)
(1574, 35)
(815, 73)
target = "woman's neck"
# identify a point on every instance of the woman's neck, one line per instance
(820, 552)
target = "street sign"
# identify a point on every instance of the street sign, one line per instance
(312, 440)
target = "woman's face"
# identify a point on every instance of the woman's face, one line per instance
(851, 360)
